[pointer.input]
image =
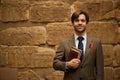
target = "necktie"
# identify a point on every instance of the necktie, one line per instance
(80, 46)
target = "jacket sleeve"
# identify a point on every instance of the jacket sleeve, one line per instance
(99, 62)
(59, 59)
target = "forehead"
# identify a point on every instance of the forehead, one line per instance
(81, 16)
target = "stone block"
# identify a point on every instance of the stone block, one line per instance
(43, 72)
(116, 3)
(77, 5)
(50, 11)
(29, 75)
(117, 73)
(106, 31)
(109, 15)
(57, 75)
(67, 1)
(23, 36)
(97, 0)
(108, 55)
(108, 73)
(114, 14)
(95, 9)
(44, 58)
(3, 55)
(119, 35)
(0, 13)
(117, 13)
(58, 31)
(33, 74)
(14, 1)
(14, 12)
(117, 55)
(3, 58)
(106, 6)
(29, 56)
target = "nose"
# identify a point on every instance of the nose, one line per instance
(79, 22)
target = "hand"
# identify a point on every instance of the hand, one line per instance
(74, 63)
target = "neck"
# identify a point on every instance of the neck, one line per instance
(81, 34)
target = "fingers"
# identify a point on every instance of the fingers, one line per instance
(74, 63)
(75, 60)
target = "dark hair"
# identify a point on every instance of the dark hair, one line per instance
(76, 14)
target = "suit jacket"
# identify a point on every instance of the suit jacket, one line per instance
(92, 66)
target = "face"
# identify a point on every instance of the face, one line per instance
(79, 24)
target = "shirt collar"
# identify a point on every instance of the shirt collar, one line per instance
(84, 36)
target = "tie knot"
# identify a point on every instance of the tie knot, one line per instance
(80, 38)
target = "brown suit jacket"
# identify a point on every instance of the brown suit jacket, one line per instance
(92, 66)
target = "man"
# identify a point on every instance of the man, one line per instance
(90, 66)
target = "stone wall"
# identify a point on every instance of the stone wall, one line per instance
(30, 31)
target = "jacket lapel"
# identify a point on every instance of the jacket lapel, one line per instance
(71, 42)
(89, 41)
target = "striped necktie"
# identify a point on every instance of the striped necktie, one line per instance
(80, 46)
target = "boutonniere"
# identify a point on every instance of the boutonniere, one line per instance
(90, 45)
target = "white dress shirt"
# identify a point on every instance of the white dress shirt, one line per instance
(83, 41)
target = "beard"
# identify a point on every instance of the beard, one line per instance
(80, 30)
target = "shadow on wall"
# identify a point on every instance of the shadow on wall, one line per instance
(8, 74)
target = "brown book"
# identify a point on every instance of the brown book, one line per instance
(74, 53)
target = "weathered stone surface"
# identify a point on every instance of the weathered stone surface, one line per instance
(109, 15)
(3, 56)
(68, 1)
(114, 14)
(14, 1)
(100, 8)
(108, 73)
(23, 36)
(43, 72)
(50, 11)
(5, 25)
(39, 74)
(3, 59)
(98, 0)
(26, 56)
(58, 31)
(14, 12)
(119, 35)
(117, 13)
(116, 3)
(44, 58)
(0, 12)
(117, 55)
(106, 31)
(108, 55)
(29, 75)
(117, 73)
(57, 75)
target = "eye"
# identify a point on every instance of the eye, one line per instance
(83, 20)
(76, 20)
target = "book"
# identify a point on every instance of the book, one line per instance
(74, 53)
